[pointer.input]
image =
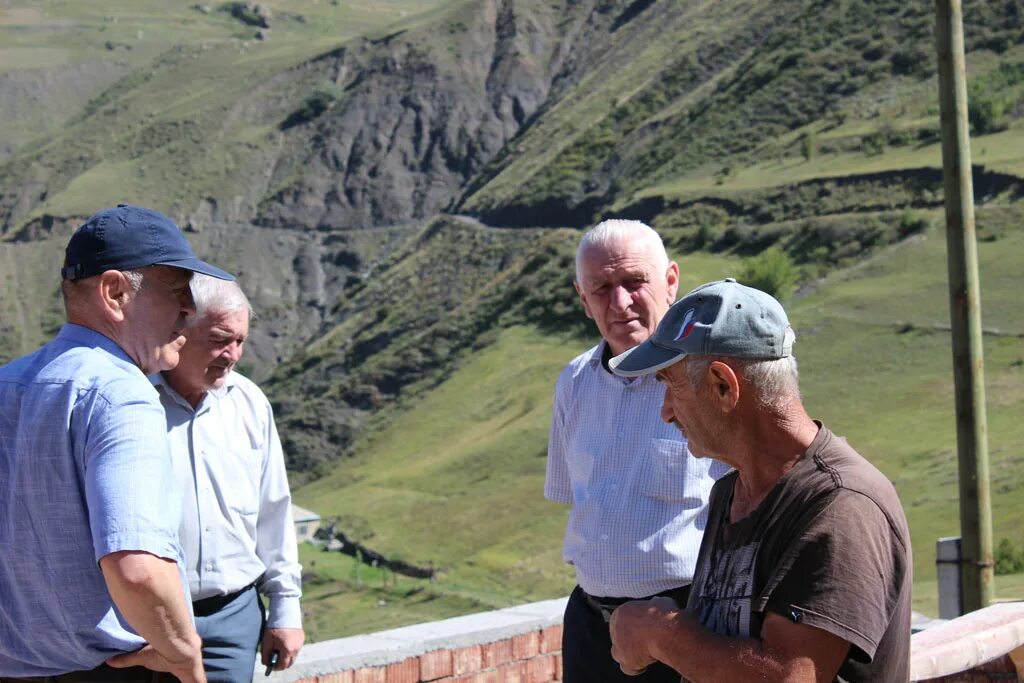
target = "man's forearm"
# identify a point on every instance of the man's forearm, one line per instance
(147, 590)
(657, 630)
(701, 655)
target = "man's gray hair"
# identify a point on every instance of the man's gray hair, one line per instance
(619, 230)
(213, 295)
(776, 382)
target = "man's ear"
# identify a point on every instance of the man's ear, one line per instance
(583, 299)
(672, 280)
(114, 292)
(725, 386)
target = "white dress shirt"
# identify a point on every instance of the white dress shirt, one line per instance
(237, 525)
(639, 498)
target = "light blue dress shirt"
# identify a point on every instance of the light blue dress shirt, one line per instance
(639, 498)
(85, 471)
(237, 527)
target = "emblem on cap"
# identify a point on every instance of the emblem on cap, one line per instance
(687, 327)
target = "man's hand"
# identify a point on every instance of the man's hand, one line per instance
(632, 625)
(186, 671)
(287, 642)
(148, 591)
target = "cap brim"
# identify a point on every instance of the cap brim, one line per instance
(645, 359)
(197, 266)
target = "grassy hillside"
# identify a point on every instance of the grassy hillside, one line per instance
(456, 478)
(351, 162)
(171, 119)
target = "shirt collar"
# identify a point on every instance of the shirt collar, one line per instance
(594, 363)
(161, 384)
(79, 335)
(596, 353)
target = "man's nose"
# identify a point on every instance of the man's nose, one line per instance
(233, 351)
(666, 407)
(620, 298)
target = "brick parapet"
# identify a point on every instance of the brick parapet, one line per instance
(523, 645)
(515, 645)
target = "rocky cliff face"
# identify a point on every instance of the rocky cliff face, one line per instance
(418, 115)
(345, 189)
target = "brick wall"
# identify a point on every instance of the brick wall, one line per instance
(516, 645)
(522, 645)
(527, 658)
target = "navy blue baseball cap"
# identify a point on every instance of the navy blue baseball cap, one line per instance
(129, 237)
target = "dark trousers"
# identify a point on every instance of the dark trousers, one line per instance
(231, 630)
(587, 646)
(101, 674)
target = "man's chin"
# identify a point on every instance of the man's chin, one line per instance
(217, 377)
(626, 342)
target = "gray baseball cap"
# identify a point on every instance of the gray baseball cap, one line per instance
(721, 318)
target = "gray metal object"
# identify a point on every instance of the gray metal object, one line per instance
(947, 569)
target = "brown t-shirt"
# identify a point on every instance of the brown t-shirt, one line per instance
(828, 547)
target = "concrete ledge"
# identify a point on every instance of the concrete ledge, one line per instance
(967, 642)
(397, 645)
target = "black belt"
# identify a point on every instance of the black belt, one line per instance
(605, 605)
(214, 604)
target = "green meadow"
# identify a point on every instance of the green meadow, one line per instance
(751, 124)
(457, 478)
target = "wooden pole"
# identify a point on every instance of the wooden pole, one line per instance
(965, 310)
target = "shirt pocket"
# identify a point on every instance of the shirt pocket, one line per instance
(664, 475)
(241, 486)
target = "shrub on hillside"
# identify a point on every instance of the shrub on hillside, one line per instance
(249, 13)
(911, 222)
(991, 96)
(808, 146)
(1009, 559)
(317, 102)
(771, 271)
(986, 114)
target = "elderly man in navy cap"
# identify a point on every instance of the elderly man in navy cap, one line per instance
(804, 572)
(91, 578)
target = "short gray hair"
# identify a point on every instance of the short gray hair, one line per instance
(213, 295)
(776, 382)
(620, 230)
(135, 279)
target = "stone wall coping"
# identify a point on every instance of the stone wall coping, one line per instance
(395, 645)
(968, 641)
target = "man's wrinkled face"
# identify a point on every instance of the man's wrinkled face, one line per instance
(625, 291)
(215, 345)
(684, 407)
(155, 317)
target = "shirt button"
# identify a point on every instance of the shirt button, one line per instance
(209, 567)
(622, 434)
(207, 529)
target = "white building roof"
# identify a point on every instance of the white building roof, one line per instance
(303, 515)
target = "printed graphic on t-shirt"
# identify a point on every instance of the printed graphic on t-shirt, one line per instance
(723, 591)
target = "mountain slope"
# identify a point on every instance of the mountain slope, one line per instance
(400, 186)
